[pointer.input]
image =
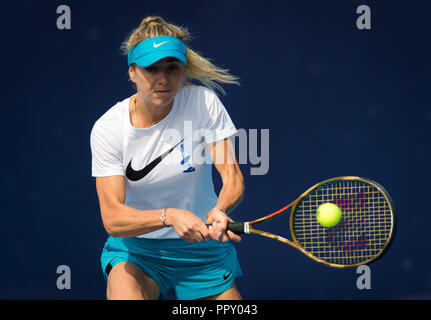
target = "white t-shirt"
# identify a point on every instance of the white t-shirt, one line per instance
(167, 164)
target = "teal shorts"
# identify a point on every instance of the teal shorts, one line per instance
(194, 270)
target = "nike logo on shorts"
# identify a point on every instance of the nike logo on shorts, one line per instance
(227, 276)
(135, 175)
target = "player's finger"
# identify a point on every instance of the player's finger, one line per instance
(214, 231)
(191, 235)
(188, 239)
(224, 238)
(204, 232)
(233, 236)
(221, 234)
(197, 236)
(223, 226)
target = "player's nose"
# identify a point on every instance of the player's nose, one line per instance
(163, 77)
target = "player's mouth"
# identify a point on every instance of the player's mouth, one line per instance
(162, 91)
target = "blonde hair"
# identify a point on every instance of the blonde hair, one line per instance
(197, 67)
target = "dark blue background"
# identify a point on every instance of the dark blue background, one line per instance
(337, 101)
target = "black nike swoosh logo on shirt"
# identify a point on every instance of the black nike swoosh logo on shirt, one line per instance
(135, 175)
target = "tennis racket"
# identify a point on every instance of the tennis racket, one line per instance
(364, 232)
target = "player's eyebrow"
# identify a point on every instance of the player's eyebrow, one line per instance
(171, 59)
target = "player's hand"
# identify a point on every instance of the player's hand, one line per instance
(187, 225)
(217, 221)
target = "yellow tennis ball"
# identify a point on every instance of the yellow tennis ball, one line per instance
(328, 214)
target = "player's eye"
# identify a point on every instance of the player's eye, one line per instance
(151, 69)
(173, 67)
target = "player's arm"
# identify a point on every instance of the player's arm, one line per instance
(121, 220)
(232, 191)
(118, 219)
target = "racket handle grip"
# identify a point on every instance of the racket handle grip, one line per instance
(235, 227)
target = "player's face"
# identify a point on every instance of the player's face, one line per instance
(159, 83)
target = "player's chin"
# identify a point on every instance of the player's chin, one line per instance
(163, 98)
(161, 102)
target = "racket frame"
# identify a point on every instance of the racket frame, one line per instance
(249, 226)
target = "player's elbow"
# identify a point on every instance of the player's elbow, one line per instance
(110, 224)
(113, 230)
(110, 228)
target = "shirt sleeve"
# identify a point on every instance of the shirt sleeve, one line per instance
(217, 124)
(105, 151)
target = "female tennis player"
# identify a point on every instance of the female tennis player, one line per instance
(152, 156)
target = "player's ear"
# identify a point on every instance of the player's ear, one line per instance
(132, 73)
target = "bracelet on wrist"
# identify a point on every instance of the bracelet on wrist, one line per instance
(163, 217)
(219, 208)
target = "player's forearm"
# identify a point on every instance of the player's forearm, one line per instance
(125, 221)
(231, 193)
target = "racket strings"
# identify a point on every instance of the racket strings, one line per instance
(363, 231)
